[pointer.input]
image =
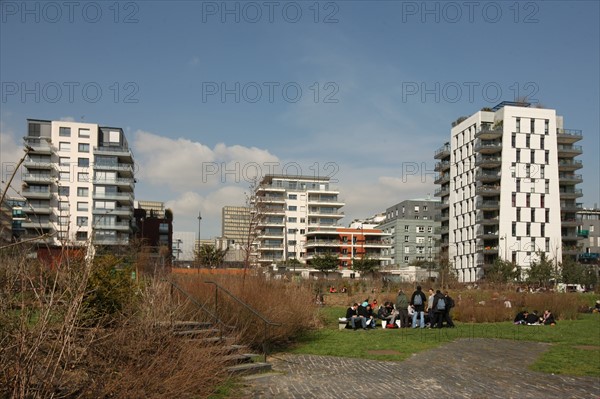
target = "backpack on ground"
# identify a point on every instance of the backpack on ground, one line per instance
(441, 304)
(418, 300)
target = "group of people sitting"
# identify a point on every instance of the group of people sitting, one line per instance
(533, 319)
(418, 311)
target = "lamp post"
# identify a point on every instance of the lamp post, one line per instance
(199, 237)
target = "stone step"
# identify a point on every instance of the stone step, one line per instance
(197, 333)
(249, 368)
(240, 357)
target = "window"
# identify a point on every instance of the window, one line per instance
(514, 229)
(542, 171)
(84, 133)
(64, 176)
(546, 126)
(527, 141)
(82, 221)
(64, 161)
(84, 147)
(406, 238)
(429, 229)
(82, 206)
(543, 230)
(293, 196)
(533, 214)
(64, 131)
(301, 231)
(532, 125)
(425, 208)
(81, 236)
(302, 220)
(547, 218)
(292, 208)
(518, 184)
(514, 199)
(291, 242)
(292, 220)
(406, 250)
(420, 240)
(513, 140)
(532, 156)
(63, 220)
(518, 214)
(528, 200)
(291, 231)
(547, 186)
(83, 162)
(405, 228)
(416, 209)
(64, 146)
(528, 229)
(63, 205)
(82, 176)
(546, 157)
(420, 229)
(518, 155)
(83, 192)
(542, 141)
(63, 191)
(406, 259)
(518, 125)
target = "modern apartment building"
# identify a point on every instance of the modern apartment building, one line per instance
(235, 224)
(153, 208)
(78, 182)
(290, 207)
(414, 230)
(348, 244)
(508, 188)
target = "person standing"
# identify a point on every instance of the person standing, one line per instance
(430, 310)
(402, 309)
(439, 309)
(417, 301)
(449, 305)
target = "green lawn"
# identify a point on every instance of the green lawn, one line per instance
(575, 349)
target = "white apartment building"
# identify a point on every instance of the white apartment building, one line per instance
(291, 206)
(508, 188)
(78, 182)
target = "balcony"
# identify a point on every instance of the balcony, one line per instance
(487, 190)
(487, 249)
(566, 150)
(442, 152)
(487, 177)
(583, 233)
(273, 222)
(568, 135)
(568, 222)
(269, 210)
(571, 194)
(44, 225)
(570, 206)
(272, 199)
(270, 234)
(569, 164)
(488, 161)
(37, 209)
(121, 152)
(330, 214)
(487, 147)
(441, 217)
(118, 211)
(488, 205)
(487, 219)
(570, 250)
(36, 194)
(442, 166)
(30, 164)
(489, 132)
(113, 196)
(38, 178)
(442, 191)
(326, 200)
(126, 183)
(374, 244)
(124, 168)
(442, 178)
(270, 247)
(323, 243)
(122, 226)
(570, 178)
(442, 205)
(487, 234)
(39, 145)
(121, 239)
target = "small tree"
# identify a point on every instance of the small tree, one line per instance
(210, 256)
(325, 262)
(502, 271)
(542, 271)
(256, 214)
(365, 265)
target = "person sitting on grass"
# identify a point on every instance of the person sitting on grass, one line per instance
(353, 317)
(533, 319)
(385, 313)
(521, 317)
(365, 311)
(548, 318)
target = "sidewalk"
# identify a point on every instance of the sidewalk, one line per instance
(466, 368)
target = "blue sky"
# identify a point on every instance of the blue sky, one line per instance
(361, 66)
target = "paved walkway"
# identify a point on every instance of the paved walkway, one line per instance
(465, 368)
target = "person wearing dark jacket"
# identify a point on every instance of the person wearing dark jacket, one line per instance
(533, 318)
(521, 317)
(439, 308)
(548, 318)
(402, 309)
(417, 301)
(449, 306)
(353, 317)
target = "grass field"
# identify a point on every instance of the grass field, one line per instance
(575, 346)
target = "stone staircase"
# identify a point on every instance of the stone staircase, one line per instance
(239, 361)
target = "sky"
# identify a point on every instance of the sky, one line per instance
(213, 93)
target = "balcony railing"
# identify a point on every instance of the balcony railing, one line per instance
(481, 160)
(441, 166)
(569, 164)
(442, 152)
(487, 146)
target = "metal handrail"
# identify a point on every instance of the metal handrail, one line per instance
(266, 322)
(201, 306)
